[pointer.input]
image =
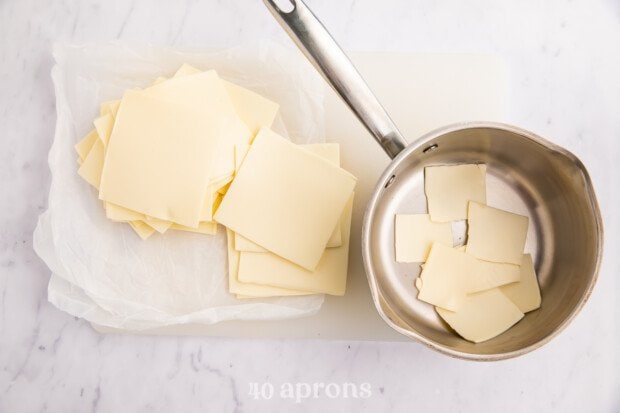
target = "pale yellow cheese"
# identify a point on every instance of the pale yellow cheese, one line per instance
(109, 108)
(211, 196)
(169, 180)
(247, 290)
(414, 235)
(120, 214)
(217, 202)
(92, 172)
(208, 228)
(328, 151)
(240, 152)
(329, 277)
(184, 93)
(525, 294)
(286, 199)
(158, 225)
(482, 315)
(186, 69)
(255, 110)
(449, 188)
(84, 146)
(205, 93)
(242, 244)
(103, 126)
(495, 235)
(143, 230)
(159, 79)
(418, 283)
(224, 189)
(91, 167)
(449, 275)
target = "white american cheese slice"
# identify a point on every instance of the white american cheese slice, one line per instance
(414, 235)
(495, 235)
(482, 315)
(286, 199)
(449, 188)
(525, 293)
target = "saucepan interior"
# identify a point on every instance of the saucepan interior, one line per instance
(526, 175)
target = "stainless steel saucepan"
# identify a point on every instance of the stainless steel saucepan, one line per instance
(526, 174)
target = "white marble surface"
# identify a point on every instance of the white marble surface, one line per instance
(565, 61)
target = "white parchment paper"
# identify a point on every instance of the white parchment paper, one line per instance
(101, 270)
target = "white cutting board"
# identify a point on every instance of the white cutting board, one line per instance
(421, 92)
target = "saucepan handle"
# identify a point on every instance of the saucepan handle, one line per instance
(321, 49)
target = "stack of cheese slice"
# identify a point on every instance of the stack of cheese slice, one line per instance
(162, 157)
(288, 214)
(485, 287)
(193, 151)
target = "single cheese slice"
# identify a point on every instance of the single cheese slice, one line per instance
(103, 126)
(449, 188)
(414, 235)
(286, 199)
(249, 289)
(169, 180)
(116, 212)
(525, 294)
(91, 167)
(84, 146)
(330, 276)
(495, 235)
(143, 230)
(482, 316)
(328, 151)
(449, 275)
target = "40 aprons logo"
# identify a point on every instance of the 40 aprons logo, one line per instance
(302, 391)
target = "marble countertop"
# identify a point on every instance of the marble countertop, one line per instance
(564, 60)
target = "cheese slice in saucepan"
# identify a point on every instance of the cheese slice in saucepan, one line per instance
(449, 188)
(482, 315)
(495, 235)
